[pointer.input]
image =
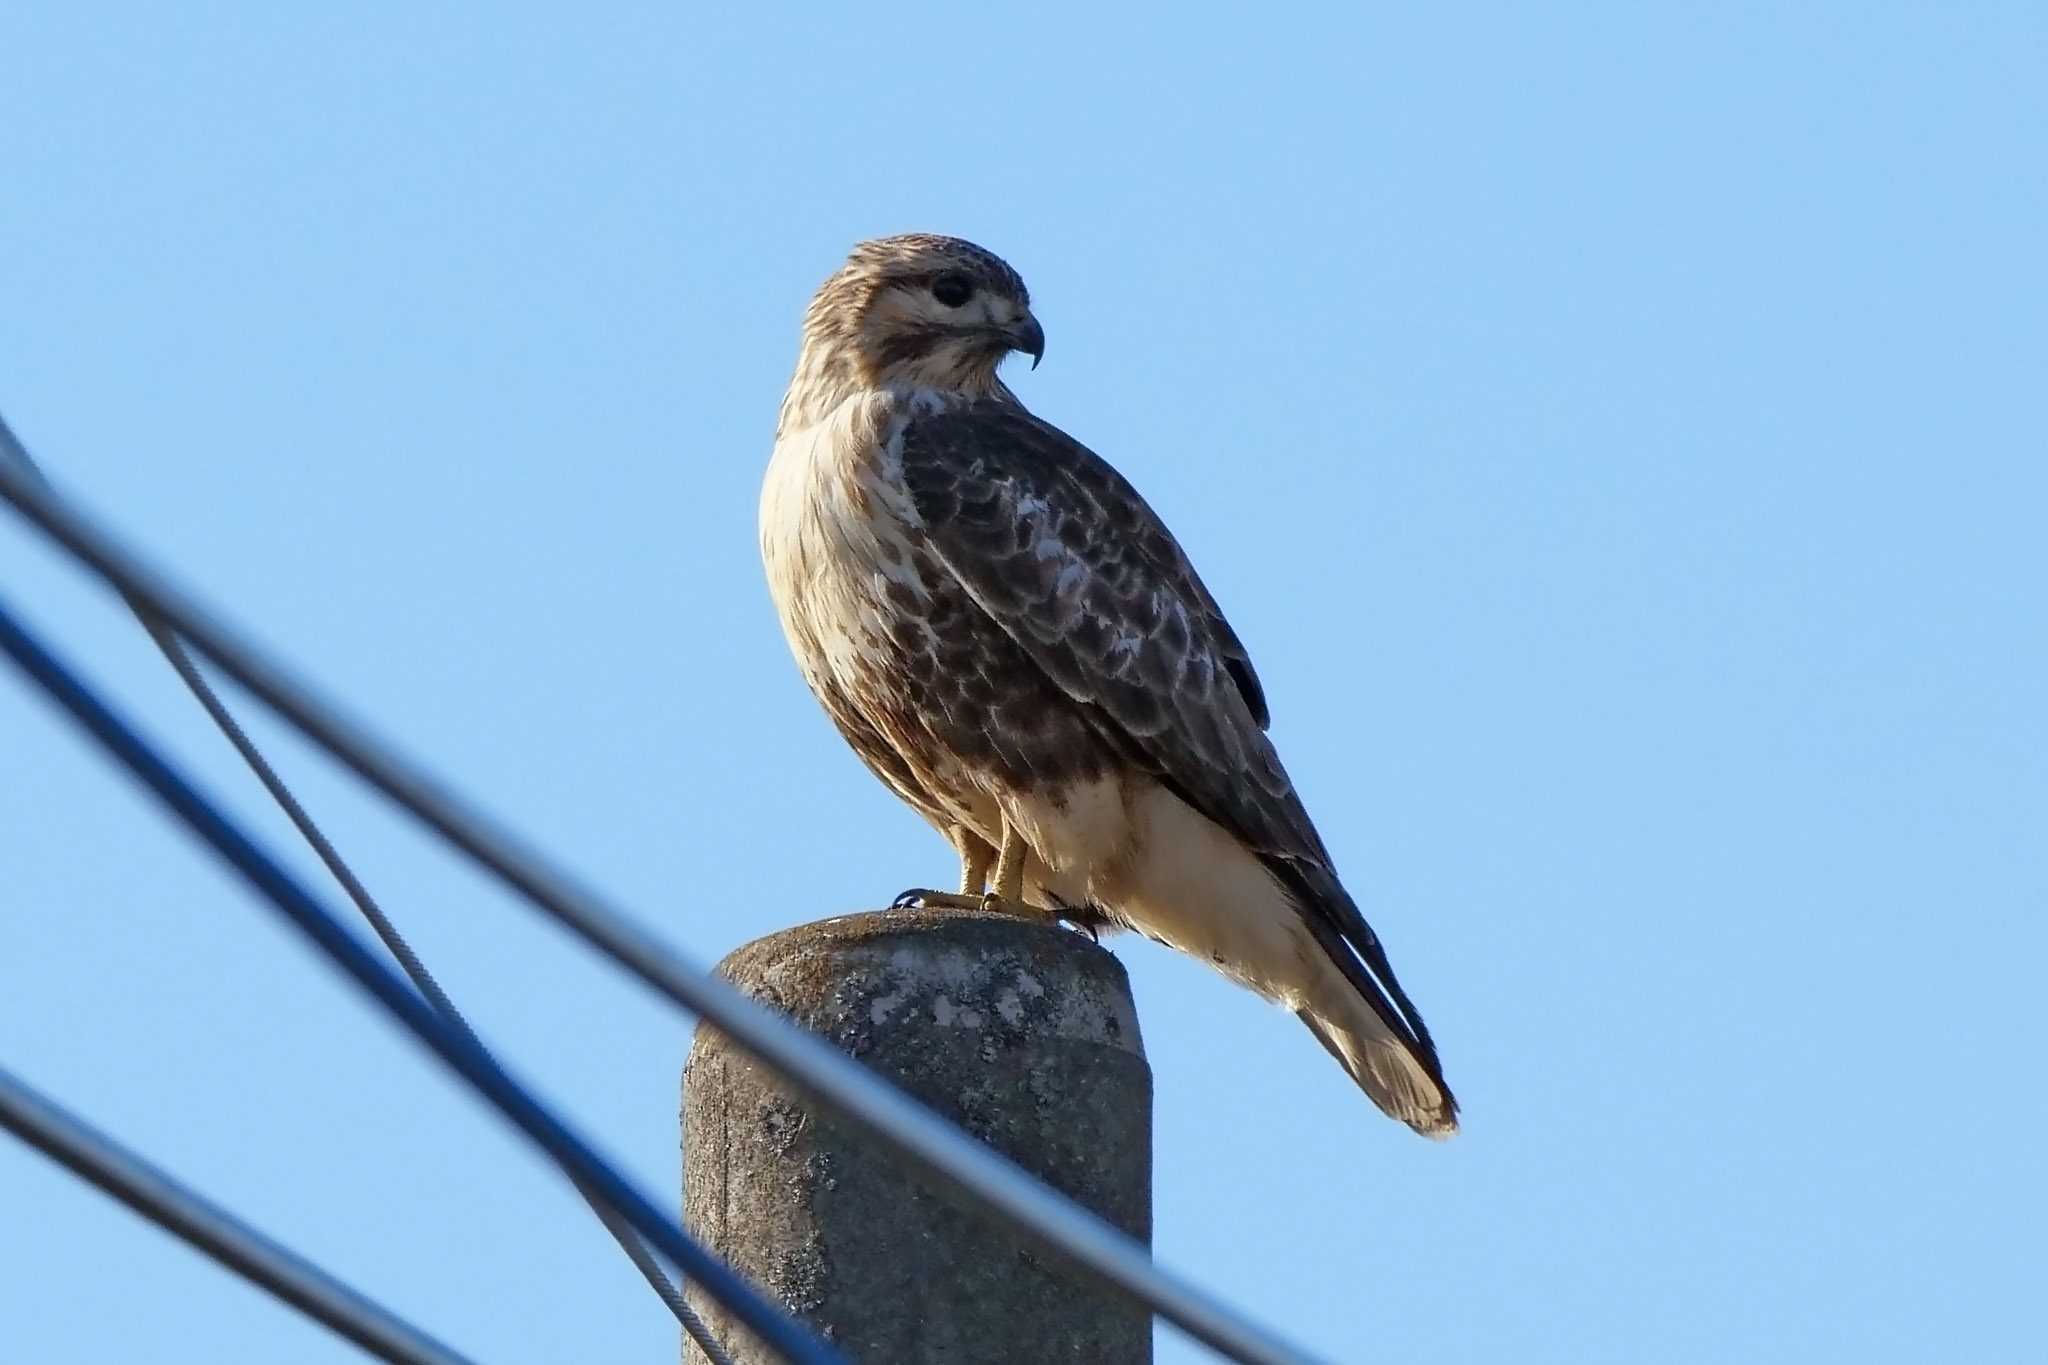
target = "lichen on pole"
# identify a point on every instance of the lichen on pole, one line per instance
(1022, 1033)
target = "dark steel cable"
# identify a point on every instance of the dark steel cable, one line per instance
(187, 669)
(933, 1145)
(184, 1213)
(512, 1099)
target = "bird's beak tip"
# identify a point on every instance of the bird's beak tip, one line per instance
(1028, 337)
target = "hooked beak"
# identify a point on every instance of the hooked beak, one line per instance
(1027, 336)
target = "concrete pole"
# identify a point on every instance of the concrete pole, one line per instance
(1021, 1033)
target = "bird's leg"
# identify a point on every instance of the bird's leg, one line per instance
(1007, 895)
(975, 858)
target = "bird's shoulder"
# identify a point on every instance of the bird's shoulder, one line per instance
(1053, 534)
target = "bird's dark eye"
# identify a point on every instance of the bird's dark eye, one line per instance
(952, 289)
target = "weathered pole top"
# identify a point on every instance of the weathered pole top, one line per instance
(1021, 1032)
(971, 969)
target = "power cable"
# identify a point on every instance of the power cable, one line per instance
(157, 1196)
(512, 1099)
(188, 671)
(937, 1147)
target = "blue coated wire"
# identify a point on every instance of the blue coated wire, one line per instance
(93, 1156)
(768, 1323)
(821, 1071)
(188, 671)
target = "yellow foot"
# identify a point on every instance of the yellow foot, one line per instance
(1003, 905)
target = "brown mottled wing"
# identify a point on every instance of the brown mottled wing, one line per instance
(1066, 557)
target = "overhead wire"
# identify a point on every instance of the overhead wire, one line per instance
(178, 1209)
(424, 980)
(456, 1049)
(188, 671)
(932, 1144)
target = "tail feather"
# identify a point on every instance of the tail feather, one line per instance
(1362, 1015)
(1387, 1069)
(1284, 927)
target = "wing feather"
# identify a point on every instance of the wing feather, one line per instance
(1068, 559)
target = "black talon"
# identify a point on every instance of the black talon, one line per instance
(1082, 919)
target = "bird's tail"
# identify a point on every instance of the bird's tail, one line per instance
(1358, 1010)
(1386, 1067)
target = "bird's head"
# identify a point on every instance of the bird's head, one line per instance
(917, 310)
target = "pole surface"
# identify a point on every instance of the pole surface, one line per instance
(1023, 1034)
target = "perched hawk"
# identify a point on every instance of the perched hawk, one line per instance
(1016, 645)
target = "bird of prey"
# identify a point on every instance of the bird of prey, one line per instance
(1016, 645)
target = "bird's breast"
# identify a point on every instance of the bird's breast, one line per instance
(841, 546)
(889, 638)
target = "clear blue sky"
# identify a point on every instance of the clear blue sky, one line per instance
(1618, 435)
